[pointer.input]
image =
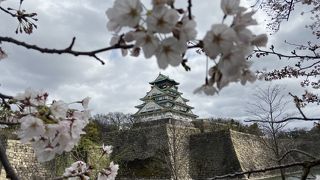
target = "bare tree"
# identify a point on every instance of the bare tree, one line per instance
(115, 120)
(270, 106)
(174, 152)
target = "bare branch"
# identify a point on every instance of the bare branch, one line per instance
(285, 120)
(305, 164)
(296, 151)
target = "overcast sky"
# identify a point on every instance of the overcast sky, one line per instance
(118, 85)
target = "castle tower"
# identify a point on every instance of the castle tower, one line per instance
(164, 101)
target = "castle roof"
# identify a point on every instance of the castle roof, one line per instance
(164, 100)
(163, 78)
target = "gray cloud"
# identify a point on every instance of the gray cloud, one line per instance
(119, 84)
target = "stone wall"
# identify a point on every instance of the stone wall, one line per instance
(172, 149)
(252, 153)
(159, 151)
(212, 154)
(22, 159)
(179, 150)
(139, 151)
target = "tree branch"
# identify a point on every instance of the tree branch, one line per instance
(69, 176)
(3, 96)
(67, 50)
(6, 164)
(8, 12)
(189, 9)
(297, 151)
(285, 120)
(257, 51)
(307, 165)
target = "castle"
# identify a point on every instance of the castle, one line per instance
(168, 142)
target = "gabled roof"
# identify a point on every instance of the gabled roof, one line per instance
(155, 90)
(180, 100)
(162, 78)
(150, 106)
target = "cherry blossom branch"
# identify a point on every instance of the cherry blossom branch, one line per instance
(67, 50)
(8, 12)
(294, 55)
(71, 175)
(307, 165)
(6, 164)
(3, 96)
(297, 102)
(189, 9)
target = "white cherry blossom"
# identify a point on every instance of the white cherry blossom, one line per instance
(107, 149)
(162, 20)
(59, 109)
(109, 173)
(185, 30)
(231, 63)
(45, 154)
(206, 89)
(170, 52)
(115, 40)
(243, 19)
(260, 40)
(85, 102)
(30, 127)
(230, 7)
(77, 168)
(124, 13)
(219, 39)
(158, 3)
(148, 41)
(246, 76)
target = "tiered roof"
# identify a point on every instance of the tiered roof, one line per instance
(164, 101)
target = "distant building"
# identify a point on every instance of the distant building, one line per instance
(164, 101)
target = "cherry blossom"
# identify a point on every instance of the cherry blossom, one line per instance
(163, 20)
(30, 127)
(185, 30)
(260, 40)
(218, 40)
(85, 102)
(169, 52)
(117, 40)
(50, 128)
(148, 42)
(208, 90)
(243, 19)
(59, 109)
(124, 13)
(109, 173)
(230, 7)
(107, 149)
(78, 169)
